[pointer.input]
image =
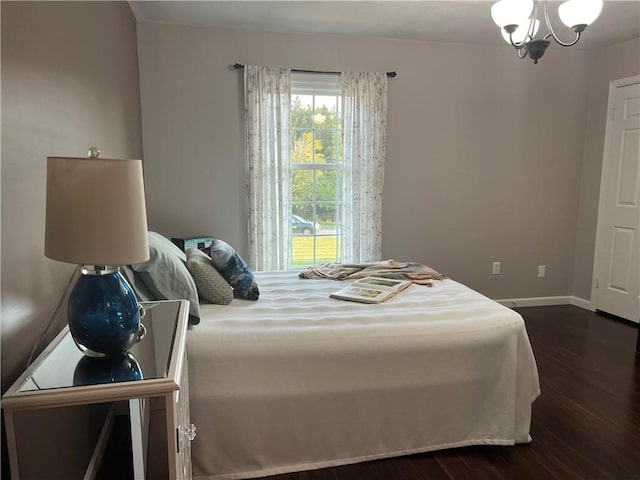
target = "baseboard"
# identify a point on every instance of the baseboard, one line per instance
(582, 303)
(546, 301)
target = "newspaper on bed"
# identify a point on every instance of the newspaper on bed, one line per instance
(371, 290)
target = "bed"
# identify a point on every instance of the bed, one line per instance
(298, 381)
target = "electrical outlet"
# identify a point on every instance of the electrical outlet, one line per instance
(496, 268)
(542, 271)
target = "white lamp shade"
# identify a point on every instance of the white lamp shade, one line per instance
(511, 12)
(522, 32)
(579, 12)
(96, 213)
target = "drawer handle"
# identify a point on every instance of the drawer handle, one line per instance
(190, 432)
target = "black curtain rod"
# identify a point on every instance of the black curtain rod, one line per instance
(239, 66)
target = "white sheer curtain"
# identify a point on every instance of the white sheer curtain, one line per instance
(364, 110)
(267, 105)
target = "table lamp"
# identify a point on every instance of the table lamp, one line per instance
(96, 217)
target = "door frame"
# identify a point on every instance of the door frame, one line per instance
(613, 85)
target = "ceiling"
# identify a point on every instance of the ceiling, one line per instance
(439, 21)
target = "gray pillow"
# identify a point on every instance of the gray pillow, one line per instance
(166, 276)
(211, 286)
(139, 288)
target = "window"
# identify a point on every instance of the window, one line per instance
(315, 169)
(315, 150)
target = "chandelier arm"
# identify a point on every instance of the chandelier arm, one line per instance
(529, 36)
(561, 43)
(524, 54)
(552, 33)
(517, 46)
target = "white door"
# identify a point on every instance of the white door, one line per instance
(617, 272)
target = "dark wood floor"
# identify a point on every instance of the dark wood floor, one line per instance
(586, 423)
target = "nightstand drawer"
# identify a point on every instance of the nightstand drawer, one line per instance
(202, 242)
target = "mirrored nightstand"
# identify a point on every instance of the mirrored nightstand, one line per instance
(60, 412)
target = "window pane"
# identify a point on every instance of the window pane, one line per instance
(302, 188)
(301, 111)
(326, 185)
(310, 250)
(299, 224)
(326, 146)
(302, 146)
(325, 113)
(302, 250)
(316, 153)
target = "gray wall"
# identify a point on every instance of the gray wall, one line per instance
(605, 65)
(484, 151)
(69, 80)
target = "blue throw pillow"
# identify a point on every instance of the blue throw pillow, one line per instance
(234, 270)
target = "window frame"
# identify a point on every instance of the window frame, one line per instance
(318, 85)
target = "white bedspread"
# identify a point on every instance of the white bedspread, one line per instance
(299, 381)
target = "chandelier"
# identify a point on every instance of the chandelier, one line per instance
(518, 20)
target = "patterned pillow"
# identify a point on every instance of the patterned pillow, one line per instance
(212, 287)
(234, 270)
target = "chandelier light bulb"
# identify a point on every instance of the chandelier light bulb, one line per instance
(522, 32)
(511, 12)
(579, 12)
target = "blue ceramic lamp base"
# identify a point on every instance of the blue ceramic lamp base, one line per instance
(103, 312)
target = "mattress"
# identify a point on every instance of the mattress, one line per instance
(298, 380)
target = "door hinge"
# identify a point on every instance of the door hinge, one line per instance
(178, 439)
(597, 283)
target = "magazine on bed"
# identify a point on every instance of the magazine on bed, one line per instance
(371, 290)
